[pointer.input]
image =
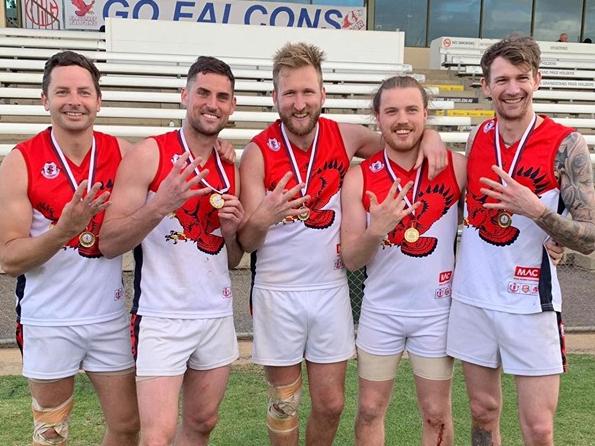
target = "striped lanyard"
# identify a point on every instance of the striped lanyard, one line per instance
(294, 165)
(220, 169)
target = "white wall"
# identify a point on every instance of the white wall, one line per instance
(188, 38)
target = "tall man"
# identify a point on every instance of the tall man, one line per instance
(175, 201)
(300, 295)
(522, 171)
(402, 227)
(54, 188)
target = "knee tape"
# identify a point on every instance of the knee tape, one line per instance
(46, 418)
(282, 415)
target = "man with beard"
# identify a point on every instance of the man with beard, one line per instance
(175, 201)
(402, 227)
(71, 315)
(523, 171)
(300, 297)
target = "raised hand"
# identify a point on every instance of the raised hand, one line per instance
(81, 208)
(512, 196)
(178, 186)
(386, 215)
(280, 203)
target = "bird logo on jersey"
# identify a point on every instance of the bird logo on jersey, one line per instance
(435, 201)
(325, 182)
(198, 220)
(491, 230)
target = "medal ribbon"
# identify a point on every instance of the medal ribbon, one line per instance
(296, 170)
(394, 177)
(519, 149)
(66, 167)
(220, 169)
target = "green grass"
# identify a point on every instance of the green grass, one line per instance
(243, 410)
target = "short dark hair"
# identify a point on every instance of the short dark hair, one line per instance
(398, 82)
(516, 50)
(208, 64)
(65, 59)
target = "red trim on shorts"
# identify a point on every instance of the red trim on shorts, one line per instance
(562, 341)
(134, 330)
(19, 337)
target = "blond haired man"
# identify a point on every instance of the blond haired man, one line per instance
(291, 175)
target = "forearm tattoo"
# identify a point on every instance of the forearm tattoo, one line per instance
(573, 165)
(480, 437)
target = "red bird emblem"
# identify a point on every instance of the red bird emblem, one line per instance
(486, 220)
(198, 220)
(435, 202)
(325, 182)
(82, 8)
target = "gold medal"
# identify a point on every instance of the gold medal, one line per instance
(87, 239)
(216, 201)
(504, 219)
(304, 213)
(411, 235)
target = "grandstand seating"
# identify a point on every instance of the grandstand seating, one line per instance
(141, 91)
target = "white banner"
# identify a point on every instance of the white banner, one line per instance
(42, 14)
(90, 14)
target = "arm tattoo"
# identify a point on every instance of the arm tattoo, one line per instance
(480, 437)
(573, 166)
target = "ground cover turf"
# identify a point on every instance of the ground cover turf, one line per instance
(242, 411)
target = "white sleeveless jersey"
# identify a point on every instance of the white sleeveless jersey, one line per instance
(296, 254)
(413, 279)
(181, 266)
(77, 285)
(506, 268)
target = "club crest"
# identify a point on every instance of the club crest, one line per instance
(50, 170)
(489, 126)
(376, 166)
(273, 144)
(175, 157)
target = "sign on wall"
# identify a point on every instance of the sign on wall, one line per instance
(42, 14)
(90, 14)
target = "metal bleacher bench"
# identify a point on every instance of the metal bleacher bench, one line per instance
(559, 60)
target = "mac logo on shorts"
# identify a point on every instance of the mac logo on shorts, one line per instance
(273, 144)
(227, 292)
(50, 170)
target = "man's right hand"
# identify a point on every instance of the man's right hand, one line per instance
(280, 203)
(81, 208)
(176, 188)
(386, 215)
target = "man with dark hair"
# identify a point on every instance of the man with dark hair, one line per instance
(402, 227)
(300, 296)
(523, 171)
(54, 188)
(175, 202)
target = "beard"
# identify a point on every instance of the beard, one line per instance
(212, 130)
(302, 130)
